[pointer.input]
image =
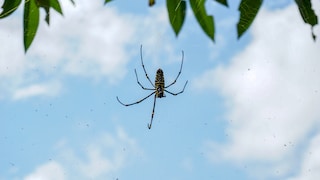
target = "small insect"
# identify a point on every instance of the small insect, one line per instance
(158, 87)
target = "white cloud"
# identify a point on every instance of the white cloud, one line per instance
(90, 40)
(310, 165)
(103, 155)
(49, 171)
(119, 148)
(99, 157)
(48, 89)
(272, 95)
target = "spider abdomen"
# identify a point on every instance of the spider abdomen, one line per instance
(159, 84)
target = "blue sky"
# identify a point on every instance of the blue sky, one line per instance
(249, 111)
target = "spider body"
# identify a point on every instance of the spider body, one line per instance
(159, 84)
(159, 87)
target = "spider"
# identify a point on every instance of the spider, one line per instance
(158, 87)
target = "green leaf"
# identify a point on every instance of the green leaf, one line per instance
(248, 11)
(307, 14)
(223, 2)
(56, 6)
(177, 12)
(205, 21)
(9, 6)
(30, 23)
(105, 2)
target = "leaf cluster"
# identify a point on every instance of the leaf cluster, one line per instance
(248, 10)
(31, 15)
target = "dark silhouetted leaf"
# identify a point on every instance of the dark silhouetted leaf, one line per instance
(205, 21)
(75, 3)
(177, 12)
(47, 4)
(248, 11)
(152, 2)
(30, 23)
(307, 14)
(224, 2)
(50, 4)
(9, 6)
(105, 2)
(47, 19)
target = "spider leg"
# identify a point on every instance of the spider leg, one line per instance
(178, 73)
(140, 83)
(178, 92)
(144, 69)
(135, 102)
(154, 105)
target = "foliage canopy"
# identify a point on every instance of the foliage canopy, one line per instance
(248, 10)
